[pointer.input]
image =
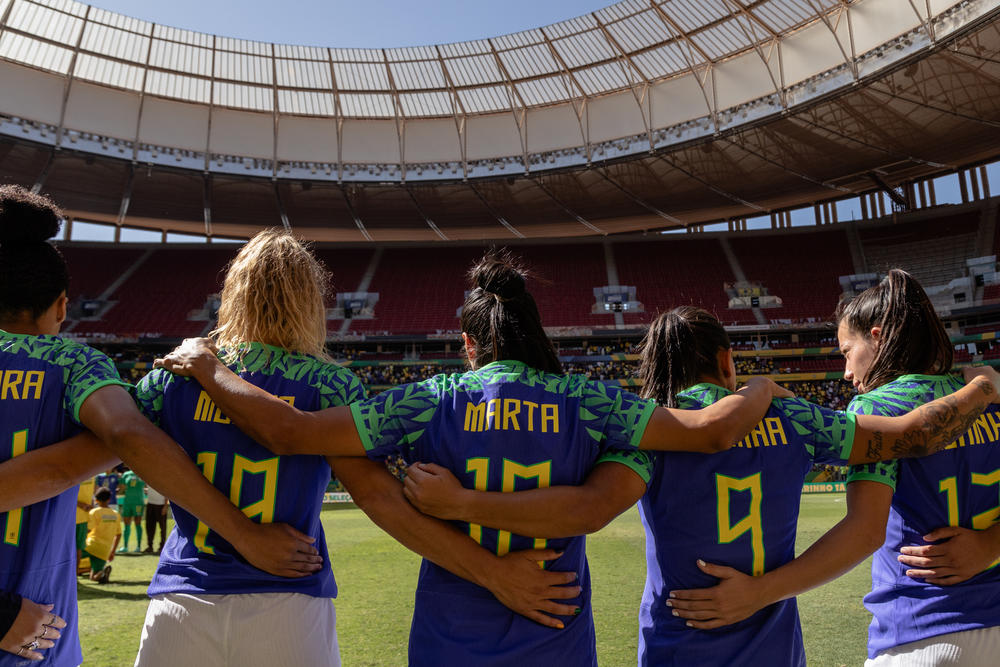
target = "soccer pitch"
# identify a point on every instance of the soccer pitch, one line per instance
(377, 576)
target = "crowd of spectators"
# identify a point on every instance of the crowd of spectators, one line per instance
(754, 365)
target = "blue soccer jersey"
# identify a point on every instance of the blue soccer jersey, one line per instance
(739, 508)
(504, 427)
(43, 382)
(267, 487)
(955, 487)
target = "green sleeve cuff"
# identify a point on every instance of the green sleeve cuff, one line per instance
(865, 476)
(640, 425)
(90, 390)
(361, 426)
(850, 429)
(637, 462)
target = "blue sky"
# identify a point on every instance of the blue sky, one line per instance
(367, 23)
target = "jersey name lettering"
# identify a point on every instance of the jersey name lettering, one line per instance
(205, 409)
(768, 433)
(984, 431)
(21, 385)
(511, 414)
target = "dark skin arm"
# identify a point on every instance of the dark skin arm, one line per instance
(515, 579)
(48, 471)
(558, 511)
(113, 417)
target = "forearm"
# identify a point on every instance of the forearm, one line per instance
(277, 425)
(923, 431)
(380, 496)
(48, 471)
(710, 429)
(156, 458)
(559, 511)
(839, 550)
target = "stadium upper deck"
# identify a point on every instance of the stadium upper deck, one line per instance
(640, 116)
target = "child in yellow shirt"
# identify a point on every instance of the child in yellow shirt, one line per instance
(104, 528)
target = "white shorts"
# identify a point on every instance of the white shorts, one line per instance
(249, 630)
(970, 648)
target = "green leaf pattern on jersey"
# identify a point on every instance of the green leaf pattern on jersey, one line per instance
(84, 369)
(336, 385)
(397, 417)
(827, 435)
(891, 400)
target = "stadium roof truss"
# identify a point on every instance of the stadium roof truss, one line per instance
(642, 115)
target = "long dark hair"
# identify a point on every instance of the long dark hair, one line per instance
(679, 347)
(32, 272)
(913, 340)
(501, 316)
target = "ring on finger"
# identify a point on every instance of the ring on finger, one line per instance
(51, 620)
(41, 635)
(19, 649)
(32, 646)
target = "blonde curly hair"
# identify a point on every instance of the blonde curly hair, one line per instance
(274, 293)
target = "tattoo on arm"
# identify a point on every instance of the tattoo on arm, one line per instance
(941, 423)
(875, 446)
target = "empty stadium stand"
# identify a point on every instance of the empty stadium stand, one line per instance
(801, 269)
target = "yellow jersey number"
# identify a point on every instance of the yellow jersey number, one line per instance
(264, 508)
(512, 471)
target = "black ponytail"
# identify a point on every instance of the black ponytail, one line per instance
(912, 340)
(32, 272)
(679, 348)
(502, 318)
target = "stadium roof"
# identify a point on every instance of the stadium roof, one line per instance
(642, 115)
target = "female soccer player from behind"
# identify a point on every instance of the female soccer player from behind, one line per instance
(513, 421)
(936, 514)
(739, 507)
(50, 388)
(208, 607)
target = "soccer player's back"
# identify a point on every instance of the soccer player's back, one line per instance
(43, 382)
(265, 486)
(740, 509)
(955, 487)
(503, 427)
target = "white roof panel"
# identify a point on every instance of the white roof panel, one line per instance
(361, 76)
(367, 106)
(178, 86)
(306, 103)
(181, 57)
(426, 104)
(115, 43)
(303, 74)
(110, 72)
(474, 70)
(45, 23)
(37, 54)
(418, 75)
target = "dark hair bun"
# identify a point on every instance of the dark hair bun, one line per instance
(499, 273)
(26, 217)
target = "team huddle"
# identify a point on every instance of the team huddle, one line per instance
(502, 467)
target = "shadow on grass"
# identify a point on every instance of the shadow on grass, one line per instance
(110, 591)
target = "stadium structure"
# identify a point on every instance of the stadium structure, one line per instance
(799, 147)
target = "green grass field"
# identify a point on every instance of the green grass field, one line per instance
(377, 577)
